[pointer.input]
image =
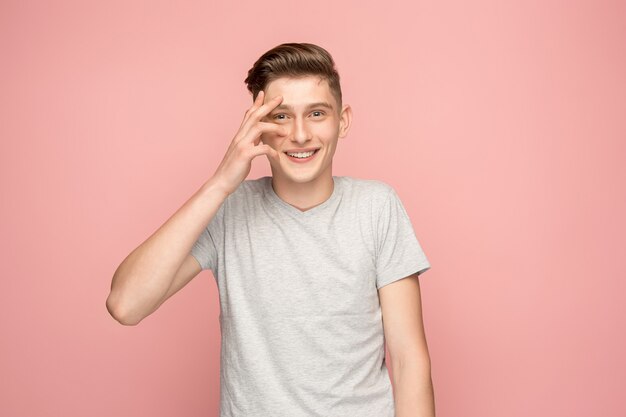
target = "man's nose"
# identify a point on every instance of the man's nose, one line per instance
(300, 131)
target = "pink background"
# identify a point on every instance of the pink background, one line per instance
(500, 124)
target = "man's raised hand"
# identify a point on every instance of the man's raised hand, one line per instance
(246, 145)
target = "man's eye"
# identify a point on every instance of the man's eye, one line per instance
(320, 112)
(276, 116)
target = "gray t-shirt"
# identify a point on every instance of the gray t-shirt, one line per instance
(300, 317)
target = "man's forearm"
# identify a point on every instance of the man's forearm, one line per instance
(413, 390)
(144, 277)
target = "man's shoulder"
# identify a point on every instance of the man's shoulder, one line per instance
(367, 186)
(249, 189)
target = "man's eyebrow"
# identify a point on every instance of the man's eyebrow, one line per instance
(318, 104)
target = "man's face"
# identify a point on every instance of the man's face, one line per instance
(312, 121)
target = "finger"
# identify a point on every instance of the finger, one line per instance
(255, 132)
(256, 115)
(265, 127)
(264, 149)
(263, 110)
(258, 101)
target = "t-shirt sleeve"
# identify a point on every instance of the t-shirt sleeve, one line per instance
(398, 251)
(205, 249)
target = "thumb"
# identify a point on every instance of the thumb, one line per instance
(263, 149)
(274, 153)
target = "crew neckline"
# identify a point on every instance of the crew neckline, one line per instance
(294, 211)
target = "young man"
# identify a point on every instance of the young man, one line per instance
(307, 264)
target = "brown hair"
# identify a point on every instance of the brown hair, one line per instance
(294, 60)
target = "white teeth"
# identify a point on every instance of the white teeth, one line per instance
(301, 154)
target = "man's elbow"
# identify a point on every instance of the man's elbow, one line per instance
(412, 359)
(118, 313)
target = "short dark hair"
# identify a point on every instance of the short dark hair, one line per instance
(294, 60)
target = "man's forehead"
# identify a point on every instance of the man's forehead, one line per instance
(306, 92)
(305, 79)
(325, 104)
(303, 85)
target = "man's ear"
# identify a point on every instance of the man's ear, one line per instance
(345, 120)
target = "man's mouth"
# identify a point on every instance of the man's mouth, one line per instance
(301, 156)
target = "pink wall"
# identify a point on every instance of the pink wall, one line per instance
(501, 126)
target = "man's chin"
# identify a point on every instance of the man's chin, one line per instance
(295, 177)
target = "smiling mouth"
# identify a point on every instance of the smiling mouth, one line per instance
(302, 155)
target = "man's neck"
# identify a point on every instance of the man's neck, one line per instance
(304, 196)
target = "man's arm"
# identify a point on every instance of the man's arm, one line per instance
(404, 332)
(162, 264)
